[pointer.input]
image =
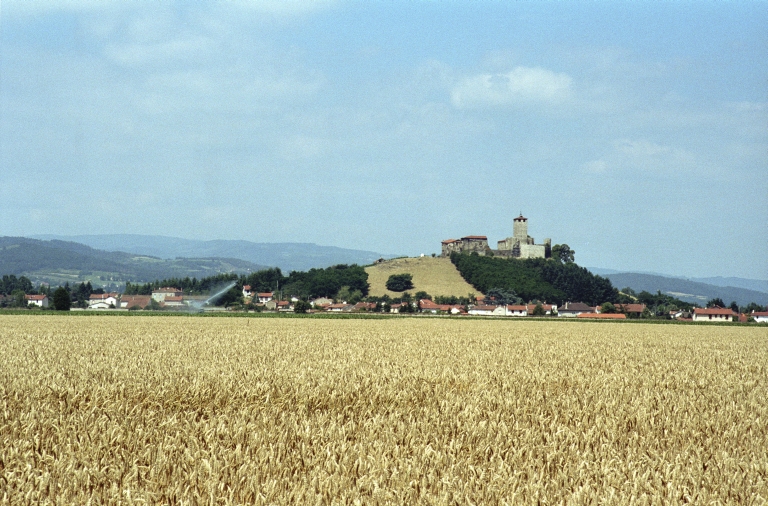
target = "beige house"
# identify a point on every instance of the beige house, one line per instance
(160, 294)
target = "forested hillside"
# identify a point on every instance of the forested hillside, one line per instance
(536, 279)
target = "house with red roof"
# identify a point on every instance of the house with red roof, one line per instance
(632, 310)
(37, 300)
(265, 297)
(549, 309)
(175, 301)
(103, 301)
(760, 316)
(161, 293)
(517, 310)
(247, 291)
(713, 314)
(129, 301)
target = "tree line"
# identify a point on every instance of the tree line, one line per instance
(555, 280)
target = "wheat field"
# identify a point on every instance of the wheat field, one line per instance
(191, 410)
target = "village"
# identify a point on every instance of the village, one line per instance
(173, 299)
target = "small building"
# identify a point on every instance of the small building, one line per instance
(134, 301)
(37, 300)
(482, 310)
(161, 293)
(573, 309)
(247, 291)
(760, 316)
(175, 301)
(340, 307)
(265, 297)
(284, 306)
(549, 309)
(103, 301)
(321, 302)
(632, 310)
(517, 310)
(713, 314)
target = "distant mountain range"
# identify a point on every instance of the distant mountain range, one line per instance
(758, 285)
(741, 290)
(287, 256)
(57, 262)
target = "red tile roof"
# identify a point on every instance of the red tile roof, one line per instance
(265, 294)
(475, 238)
(35, 297)
(247, 288)
(135, 300)
(714, 311)
(102, 296)
(512, 307)
(449, 241)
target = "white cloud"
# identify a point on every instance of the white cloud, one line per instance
(522, 85)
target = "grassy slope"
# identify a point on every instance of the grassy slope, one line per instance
(436, 276)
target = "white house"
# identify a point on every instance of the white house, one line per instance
(482, 310)
(103, 301)
(573, 309)
(760, 316)
(37, 300)
(713, 314)
(516, 310)
(265, 297)
(247, 291)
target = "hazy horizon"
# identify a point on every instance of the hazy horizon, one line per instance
(633, 132)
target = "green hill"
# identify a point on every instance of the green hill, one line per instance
(436, 276)
(535, 279)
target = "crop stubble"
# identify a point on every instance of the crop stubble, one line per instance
(156, 410)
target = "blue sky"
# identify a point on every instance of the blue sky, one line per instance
(635, 132)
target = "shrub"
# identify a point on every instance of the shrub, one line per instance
(400, 282)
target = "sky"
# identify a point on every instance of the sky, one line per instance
(634, 132)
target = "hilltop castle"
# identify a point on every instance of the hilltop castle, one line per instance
(520, 245)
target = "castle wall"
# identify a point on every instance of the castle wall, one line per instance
(532, 251)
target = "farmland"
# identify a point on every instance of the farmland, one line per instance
(167, 410)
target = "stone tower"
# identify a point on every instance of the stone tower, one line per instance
(520, 229)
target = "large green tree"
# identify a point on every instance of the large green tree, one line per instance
(400, 282)
(61, 299)
(563, 253)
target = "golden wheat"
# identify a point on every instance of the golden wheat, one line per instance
(175, 410)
